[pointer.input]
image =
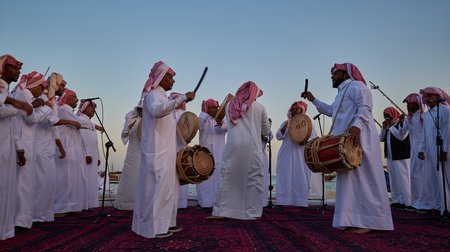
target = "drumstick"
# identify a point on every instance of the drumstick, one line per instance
(201, 79)
(306, 89)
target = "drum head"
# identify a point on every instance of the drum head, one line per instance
(188, 125)
(203, 162)
(352, 153)
(300, 128)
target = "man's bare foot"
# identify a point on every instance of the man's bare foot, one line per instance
(356, 230)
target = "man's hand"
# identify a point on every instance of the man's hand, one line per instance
(308, 95)
(88, 159)
(190, 96)
(21, 160)
(444, 157)
(355, 135)
(62, 153)
(38, 102)
(421, 156)
(402, 117)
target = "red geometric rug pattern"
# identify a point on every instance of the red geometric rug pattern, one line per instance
(287, 229)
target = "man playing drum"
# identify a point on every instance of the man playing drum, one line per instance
(184, 189)
(362, 201)
(293, 175)
(155, 206)
(212, 136)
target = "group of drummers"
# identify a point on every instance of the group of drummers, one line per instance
(229, 166)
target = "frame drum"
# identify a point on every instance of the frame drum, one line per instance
(300, 128)
(188, 125)
(221, 112)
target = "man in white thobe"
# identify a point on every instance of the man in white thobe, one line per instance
(397, 152)
(423, 197)
(11, 151)
(362, 201)
(155, 205)
(438, 102)
(241, 182)
(131, 134)
(293, 175)
(29, 88)
(212, 136)
(46, 138)
(70, 177)
(91, 163)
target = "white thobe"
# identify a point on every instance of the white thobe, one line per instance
(90, 144)
(25, 126)
(70, 177)
(127, 184)
(155, 205)
(45, 177)
(361, 196)
(421, 179)
(266, 167)
(429, 147)
(212, 137)
(293, 175)
(8, 173)
(184, 189)
(399, 170)
(241, 182)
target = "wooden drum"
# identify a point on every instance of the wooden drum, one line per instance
(194, 164)
(330, 154)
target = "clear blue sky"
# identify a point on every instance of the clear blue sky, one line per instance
(107, 48)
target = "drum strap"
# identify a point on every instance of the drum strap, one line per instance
(339, 107)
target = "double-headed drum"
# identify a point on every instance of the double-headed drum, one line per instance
(194, 164)
(221, 112)
(187, 126)
(332, 154)
(300, 128)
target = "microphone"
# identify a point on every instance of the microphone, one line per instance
(89, 99)
(317, 116)
(438, 100)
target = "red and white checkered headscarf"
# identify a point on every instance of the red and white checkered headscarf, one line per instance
(351, 69)
(415, 98)
(158, 72)
(435, 90)
(174, 95)
(10, 60)
(392, 112)
(302, 105)
(208, 103)
(30, 80)
(243, 100)
(83, 106)
(63, 99)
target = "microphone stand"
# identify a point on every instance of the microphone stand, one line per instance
(270, 204)
(323, 204)
(439, 146)
(108, 145)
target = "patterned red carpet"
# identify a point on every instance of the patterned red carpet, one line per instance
(290, 229)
